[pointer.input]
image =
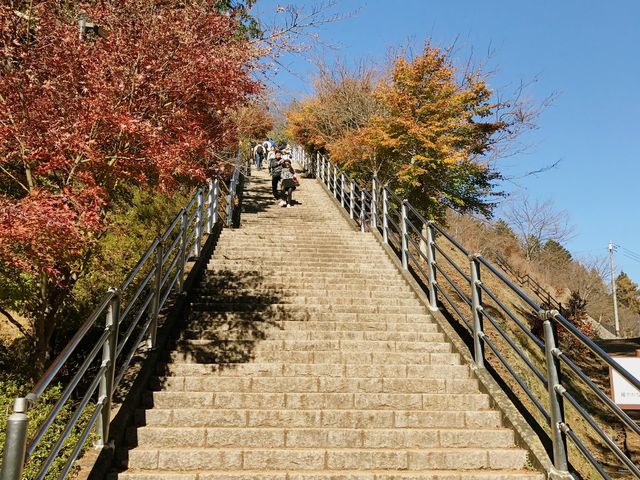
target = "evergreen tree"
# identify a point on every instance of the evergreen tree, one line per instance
(628, 292)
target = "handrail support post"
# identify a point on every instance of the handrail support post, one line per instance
(15, 447)
(362, 211)
(558, 437)
(431, 260)
(342, 189)
(109, 349)
(335, 176)
(183, 252)
(351, 199)
(403, 226)
(214, 203)
(199, 219)
(374, 204)
(385, 216)
(476, 306)
(157, 293)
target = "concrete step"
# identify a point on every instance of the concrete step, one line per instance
(326, 459)
(343, 346)
(306, 384)
(305, 437)
(327, 475)
(326, 418)
(248, 353)
(277, 334)
(315, 401)
(282, 284)
(282, 291)
(286, 369)
(311, 308)
(291, 298)
(302, 319)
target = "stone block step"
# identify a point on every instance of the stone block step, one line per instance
(187, 459)
(285, 369)
(305, 384)
(291, 298)
(276, 333)
(325, 475)
(292, 437)
(396, 323)
(367, 401)
(343, 346)
(308, 308)
(300, 272)
(285, 283)
(320, 418)
(333, 273)
(203, 356)
(420, 321)
(354, 291)
(298, 298)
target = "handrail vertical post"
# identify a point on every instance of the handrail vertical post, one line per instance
(15, 446)
(374, 204)
(362, 211)
(476, 306)
(558, 437)
(157, 294)
(324, 169)
(109, 349)
(214, 202)
(335, 180)
(183, 251)
(352, 199)
(231, 197)
(431, 260)
(385, 216)
(403, 225)
(210, 210)
(199, 216)
(318, 172)
(342, 189)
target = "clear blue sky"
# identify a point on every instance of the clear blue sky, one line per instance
(585, 51)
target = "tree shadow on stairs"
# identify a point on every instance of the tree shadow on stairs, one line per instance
(228, 316)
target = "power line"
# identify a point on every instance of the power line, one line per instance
(629, 251)
(635, 259)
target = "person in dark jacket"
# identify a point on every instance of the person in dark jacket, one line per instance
(275, 167)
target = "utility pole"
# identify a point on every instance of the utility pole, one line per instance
(613, 289)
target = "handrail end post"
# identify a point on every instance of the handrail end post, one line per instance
(16, 441)
(558, 436)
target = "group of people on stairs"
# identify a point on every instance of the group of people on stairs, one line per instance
(278, 158)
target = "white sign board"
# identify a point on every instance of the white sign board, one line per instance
(624, 394)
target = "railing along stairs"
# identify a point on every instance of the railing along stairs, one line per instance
(129, 318)
(544, 374)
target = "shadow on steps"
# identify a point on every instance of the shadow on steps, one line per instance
(229, 315)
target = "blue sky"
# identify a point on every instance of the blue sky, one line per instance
(585, 51)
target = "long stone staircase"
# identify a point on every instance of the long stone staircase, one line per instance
(306, 356)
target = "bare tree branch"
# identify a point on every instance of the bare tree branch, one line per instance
(16, 324)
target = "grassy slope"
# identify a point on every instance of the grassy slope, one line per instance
(587, 361)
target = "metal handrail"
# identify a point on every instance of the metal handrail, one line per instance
(154, 277)
(376, 205)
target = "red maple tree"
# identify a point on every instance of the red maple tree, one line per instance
(139, 94)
